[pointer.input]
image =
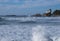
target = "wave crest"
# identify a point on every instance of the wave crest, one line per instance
(39, 34)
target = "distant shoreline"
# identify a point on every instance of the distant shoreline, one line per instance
(49, 13)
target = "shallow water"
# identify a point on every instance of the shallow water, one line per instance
(30, 29)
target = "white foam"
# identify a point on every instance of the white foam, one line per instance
(39, 34)
(5, 39)
(56, 38)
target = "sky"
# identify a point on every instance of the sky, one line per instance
(27, 7)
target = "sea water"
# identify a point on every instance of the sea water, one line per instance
(30, 29)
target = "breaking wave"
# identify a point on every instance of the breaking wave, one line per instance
(39, 29)
(41, 33)
(16, 20)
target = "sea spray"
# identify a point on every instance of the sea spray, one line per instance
(30, 29)
(56, 38)
(39, 34)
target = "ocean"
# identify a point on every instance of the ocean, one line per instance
(30, 29)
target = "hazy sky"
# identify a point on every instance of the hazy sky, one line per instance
(20, 7)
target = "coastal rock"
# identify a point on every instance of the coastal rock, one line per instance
(56, 13)
(10, 15)
(48, 13)
(36, 15)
